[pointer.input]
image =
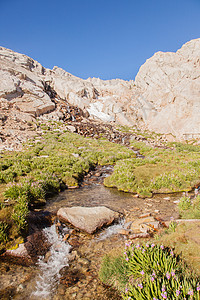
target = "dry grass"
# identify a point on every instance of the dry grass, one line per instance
(186, 241)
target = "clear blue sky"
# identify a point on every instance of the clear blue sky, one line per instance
(97, 38)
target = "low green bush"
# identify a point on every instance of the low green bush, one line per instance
(20, 213)
(3, 232)
(151, 272)
(161, 171)
(46, 185)
(189, 208)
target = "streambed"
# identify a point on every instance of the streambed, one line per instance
(79, 279)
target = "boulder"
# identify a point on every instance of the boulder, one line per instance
(88, 219)
(27, 253)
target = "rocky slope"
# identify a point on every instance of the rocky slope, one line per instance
(164, 98)
(169, 89)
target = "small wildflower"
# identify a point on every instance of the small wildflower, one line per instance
(152, 245)
(162, 247)
(127, 259)
(154, 274)
(168, 275)
(178, 292)
(152, 278)
(163, 288)
(137, 246)
(198, 287)
(190, 292)
(143, 250)
(172, 273)
(142, 272)
(171, 253)
(164, 295)
(147, 245)
(126, 290)
(140, 285)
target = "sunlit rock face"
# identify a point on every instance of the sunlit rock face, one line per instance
(169, 87)
(103, 100)
(164, 98)
(22, 85)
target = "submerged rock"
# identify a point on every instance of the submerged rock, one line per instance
(88, 219)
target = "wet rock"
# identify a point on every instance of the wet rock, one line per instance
(70, 276)
(37, 245)
(74, 242)
(70, 279)
(145, 225)
(66, 237)
(19, 255)
(124, 231)
(88, 219)
(84, 261)
(39, 220)
(98, 174)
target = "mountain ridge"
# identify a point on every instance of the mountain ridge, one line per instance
(164, 98)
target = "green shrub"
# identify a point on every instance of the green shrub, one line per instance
(20, 212)
(186, 147)
(151, 272)
(14, 190)
(189, 208)
(3, 232)
(46, 185)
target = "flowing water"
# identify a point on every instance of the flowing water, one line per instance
(49, 268)
(64, 275)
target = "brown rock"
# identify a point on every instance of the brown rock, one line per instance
(124, 231)
(145, 215)
(139, 235)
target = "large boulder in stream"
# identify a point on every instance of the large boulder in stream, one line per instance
(88, 219)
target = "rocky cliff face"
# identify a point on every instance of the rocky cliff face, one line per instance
(169, 87)
(165, 96)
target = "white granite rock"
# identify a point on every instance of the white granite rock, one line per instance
(88, 219)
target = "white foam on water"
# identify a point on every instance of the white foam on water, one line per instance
(111, 230)
(46, 282)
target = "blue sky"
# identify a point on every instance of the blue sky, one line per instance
(97, 38)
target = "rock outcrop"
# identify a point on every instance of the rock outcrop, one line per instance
(164, 98)
(168, 87)
(88, 219)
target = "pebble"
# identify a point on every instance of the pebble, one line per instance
(176, 202)
(134, 208)
(124, 231)
(145, 215)
(83, 261)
